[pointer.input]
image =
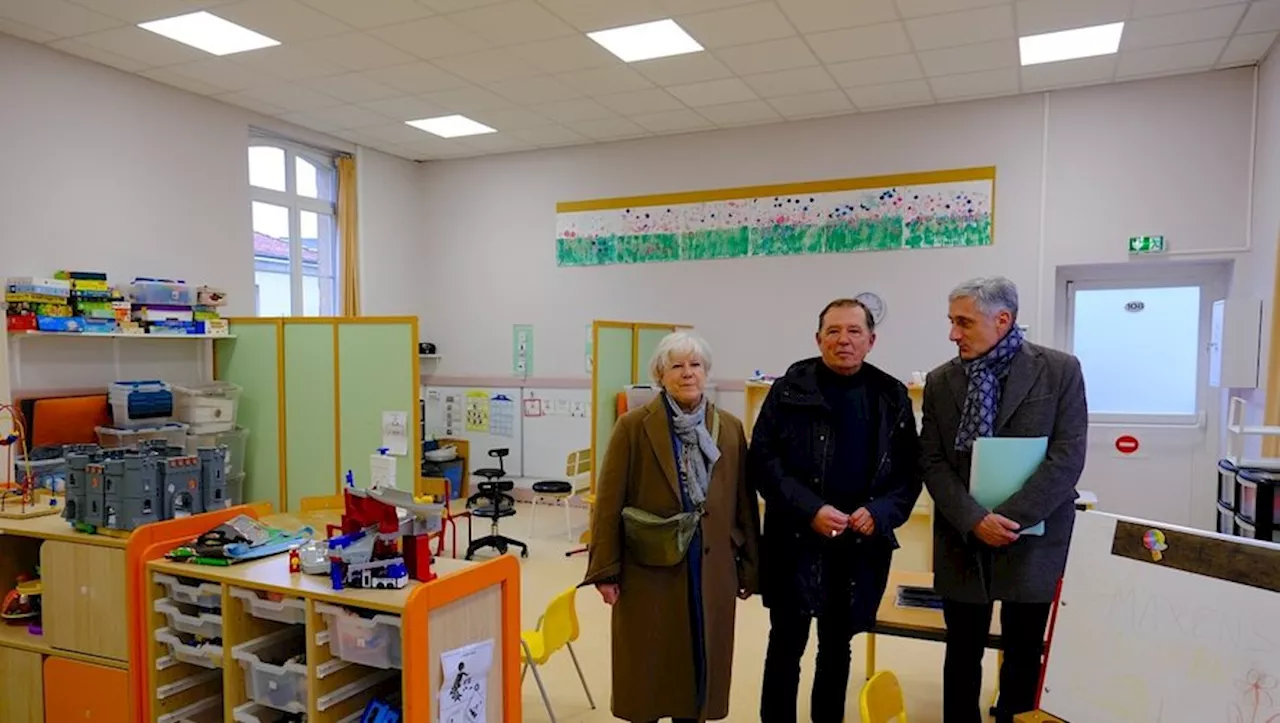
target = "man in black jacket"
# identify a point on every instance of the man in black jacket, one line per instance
(834, 453)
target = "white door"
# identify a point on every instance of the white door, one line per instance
(1142, 334)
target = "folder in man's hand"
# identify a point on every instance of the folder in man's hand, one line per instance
(1001, 466)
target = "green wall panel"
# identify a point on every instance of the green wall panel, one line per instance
(309, 397)
(377, 372)
(648, 339)
(613, 350)
(250, 360)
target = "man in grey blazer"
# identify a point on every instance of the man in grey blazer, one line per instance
(999, 386)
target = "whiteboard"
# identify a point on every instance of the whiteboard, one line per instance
(447, 410)
(556, 423)
(1139, 641)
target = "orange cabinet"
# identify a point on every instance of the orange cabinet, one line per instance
(65, 683)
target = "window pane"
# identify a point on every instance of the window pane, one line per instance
(266, 167)
(274, 293)
(319, 263)
(1139, 349)
(311, 296)
(308, 184)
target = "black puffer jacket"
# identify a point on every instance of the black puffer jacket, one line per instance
(788, 460)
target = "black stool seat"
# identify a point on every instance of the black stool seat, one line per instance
(490, 512)
(490, 472)
(492, 503)
(552, 487)
(504, 485)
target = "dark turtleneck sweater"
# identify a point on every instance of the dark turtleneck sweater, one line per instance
(848, 474)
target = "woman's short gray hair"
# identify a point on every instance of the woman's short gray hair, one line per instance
(679, 343)
(992, 294)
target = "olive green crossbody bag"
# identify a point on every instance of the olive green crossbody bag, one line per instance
(657, 541)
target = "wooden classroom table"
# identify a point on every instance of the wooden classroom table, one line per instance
(915, 623)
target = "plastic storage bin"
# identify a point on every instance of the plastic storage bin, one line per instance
(189, 649)
(1226, 520)
(196, 622)
(235, 440)
(1227, 484)
(161, 292)
(288, 610)
(1258, 502)
(140, 404)
(235, 490)
(372, 641)
(207, 407)
(47, 466)
(207, 595)
(275, 673)
(258, 713)
(174, 434)
(208, 710)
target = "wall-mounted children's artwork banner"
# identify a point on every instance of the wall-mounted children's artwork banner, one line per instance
(939, 209)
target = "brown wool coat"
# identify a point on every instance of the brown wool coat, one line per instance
(653, 659)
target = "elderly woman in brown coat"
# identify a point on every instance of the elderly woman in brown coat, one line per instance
(675, 536)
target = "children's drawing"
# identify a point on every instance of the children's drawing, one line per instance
(1257, 705)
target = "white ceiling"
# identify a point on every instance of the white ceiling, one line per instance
(358, 68)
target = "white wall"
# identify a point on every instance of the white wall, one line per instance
(390, 231)
(1119, 163)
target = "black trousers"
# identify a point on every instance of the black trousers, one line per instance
(1022, 630)
(788, 637)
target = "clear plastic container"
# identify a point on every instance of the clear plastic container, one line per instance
(137, 404)
(258, 713)
(47, 466)
(288, 610)
(202, 624)
(372, 641)
(208, 408)
(164, 691)
(235, 490)
(208, 710)
(207, 595)
(275, 673)
(235, 440)
(350, 690)
(174, 435)
(161, 292)
(188, 649)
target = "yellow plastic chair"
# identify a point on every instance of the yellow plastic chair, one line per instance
(557, 628)
(881, 699)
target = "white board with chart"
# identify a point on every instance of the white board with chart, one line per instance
(488, 418)
(1163, 624)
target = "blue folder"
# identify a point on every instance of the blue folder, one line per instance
(1001, 466)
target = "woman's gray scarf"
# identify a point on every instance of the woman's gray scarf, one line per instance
(698, 452)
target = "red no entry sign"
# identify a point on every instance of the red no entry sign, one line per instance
(1126, 444)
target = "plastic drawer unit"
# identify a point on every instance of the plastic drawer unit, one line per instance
(186, 648)
(1258, 504)
(275, 671)
(287, 610)
(191, 620)
(1227, 484)
(209, 408)
(372, 641)
(208, 710)
(207, 595)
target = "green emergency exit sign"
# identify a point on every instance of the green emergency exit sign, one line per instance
(1146, 245)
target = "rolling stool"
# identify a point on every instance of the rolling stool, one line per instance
(558, 490)
(497, 504)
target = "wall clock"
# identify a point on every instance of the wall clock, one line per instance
(875, 304)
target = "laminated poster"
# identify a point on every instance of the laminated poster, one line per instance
(478, 411)
(464, 693)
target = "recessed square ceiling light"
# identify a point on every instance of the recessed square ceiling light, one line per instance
(209, 33)
(1071, 44)
(658, 39)
(451, 126)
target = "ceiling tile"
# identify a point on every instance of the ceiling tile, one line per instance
(509, 23)
(876, 71)
(466, 100)
(604, 129)
(739, 114)
(975, 85)
(510, 119)
(358, 51)
(1262, 17)
(144, 47)
(561, 55)
(367, 14)
(288, 21)
(26, 32)
(1245, 49)
(527, 91)
(963, 28)
(191, 85)
(418, 77)
(812, 16)
(252, 103)
(811, 105)
(768, 56)
(139, 11)
(337, 118)
(288, 62)
(353, 88)
(290, 97)
(691, 68)
(1046, 16)
(654, 100)
(891, 95)
(1187, 57)
(918, 8)
(453, 6)
(1181, 28)
(589, 15)
(1145, 8)
(57, 17)
(790, 82)
(221, 73)
(359, 138)
(970, 58)
(431, 38)
(98, 55)
(671, 121)
(603, 81)
(429, 147)
(1085, 71)
(737, 26)
(858, 43)
(406, 108)
(396, 133)
(487, 66)
(550, 136)
(573, 111)
(713, 92)
(675, 7)
(495, 143)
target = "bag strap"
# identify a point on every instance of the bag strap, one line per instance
(715, 428)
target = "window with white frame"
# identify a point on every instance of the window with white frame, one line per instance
(293, 195)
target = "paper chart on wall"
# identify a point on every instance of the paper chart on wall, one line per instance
(452, 412)
(395, 432)
(464, 693)
(478, 411)
(502, 416)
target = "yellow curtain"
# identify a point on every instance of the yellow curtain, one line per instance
(347, 234)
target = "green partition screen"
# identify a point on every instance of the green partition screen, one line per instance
(309, 397)
(377, 372)
(253, 360)
(647, 338)
(614, 353)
